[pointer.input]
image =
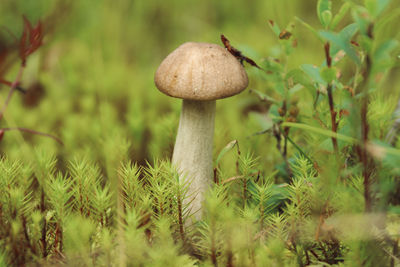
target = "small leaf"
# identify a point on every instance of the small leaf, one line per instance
(340, 15)
(342, 41)
(328, 74)
(1, 134)
(361, 20)
(327, 17)
(308, 26)
(35, 34)
(272, 65)
(300, 77)
(384, 50)
(296, 88)
(264, 97)
(274, 27)
(226, 149)
(324, 12)
(349, 31)
(375, 7)
(264, 121)
(313, 72)
(365, 43)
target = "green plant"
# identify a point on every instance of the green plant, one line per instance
(30, 41)
(306, 189)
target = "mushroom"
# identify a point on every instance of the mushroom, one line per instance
(198, 73)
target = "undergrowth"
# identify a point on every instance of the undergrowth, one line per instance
(305, 169)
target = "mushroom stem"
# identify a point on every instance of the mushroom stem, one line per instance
(193, 150)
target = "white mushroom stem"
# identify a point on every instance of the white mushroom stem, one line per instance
(193, 150)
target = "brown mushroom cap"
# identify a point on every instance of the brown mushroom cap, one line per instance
(200, 71)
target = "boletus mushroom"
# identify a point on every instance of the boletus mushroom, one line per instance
(198, 73)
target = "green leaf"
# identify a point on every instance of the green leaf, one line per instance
(375, 7)
(274, 27)
(321, 131)
(382, 24)
(382, 4)
(226, 149)
(313, 72)
(280, 88)
(327, 18)
(296, 88)
(262, 119)
(300, 150)
(365, 43)
(340, 15)
(263, 96)
(383, 57)
(342, 41)
(361, 20)
(308, 26)
(383, 51)
(324, 12)
(348, 32)
(328, 74)
(299, 76)
(271, 65)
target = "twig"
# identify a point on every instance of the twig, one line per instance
(333, 117)
(19, 88)
(44, 226)
(394, 254)
(316, 100)
(229, 255)
(330, 100)
(14, 85)
(215, 175)
(365, 159)
(315, 255)
(244, 193)
(300, 150)
(21, 129)
(278, 136)
(180, 218)
(233, 178)
(308, 262)
(284, 155)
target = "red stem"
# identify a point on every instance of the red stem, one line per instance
(14, 85)
(330, 99)
(21, 129)
(333, 117)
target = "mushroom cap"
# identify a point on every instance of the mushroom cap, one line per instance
(200, 71)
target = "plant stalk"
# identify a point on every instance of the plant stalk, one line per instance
(13, 87)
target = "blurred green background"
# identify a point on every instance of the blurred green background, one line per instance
(92, 82)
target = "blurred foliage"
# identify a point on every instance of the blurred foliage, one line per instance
(292, 189)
